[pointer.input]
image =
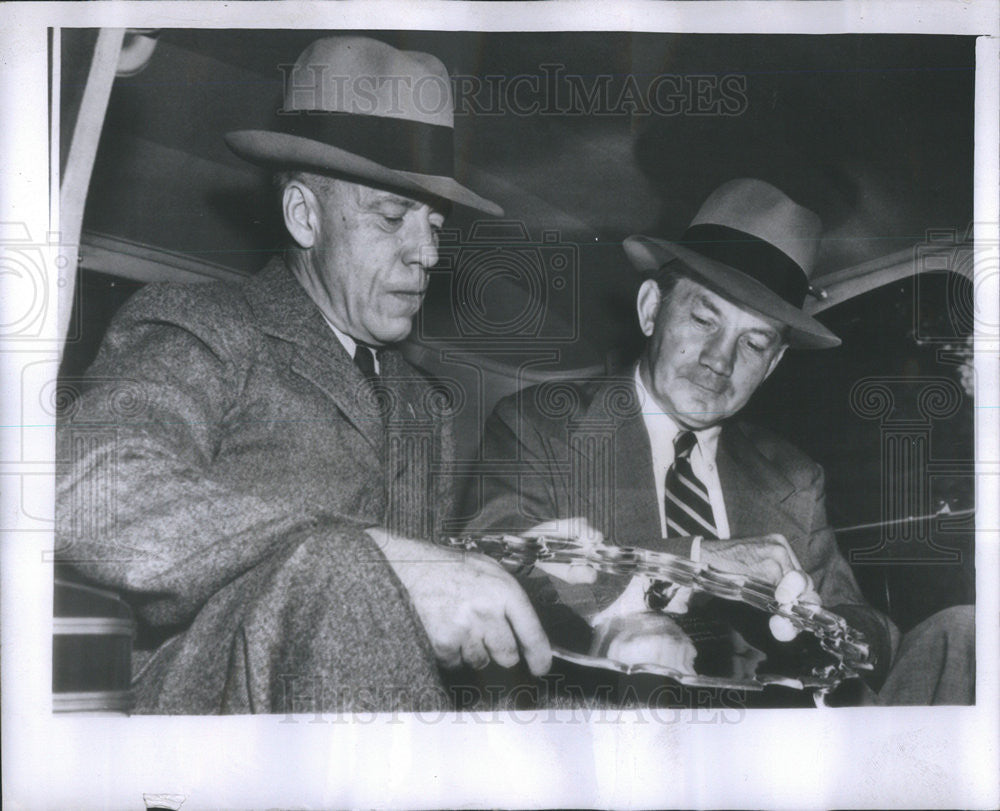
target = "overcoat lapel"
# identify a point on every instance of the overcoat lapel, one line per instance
(285, 311)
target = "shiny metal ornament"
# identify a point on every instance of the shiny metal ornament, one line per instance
(847, 652)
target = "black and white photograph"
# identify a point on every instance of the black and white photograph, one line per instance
(414, 410)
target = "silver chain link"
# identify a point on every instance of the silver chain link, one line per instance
(835, 636)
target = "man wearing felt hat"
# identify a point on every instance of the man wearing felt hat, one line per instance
(719, 308)
(272, 490)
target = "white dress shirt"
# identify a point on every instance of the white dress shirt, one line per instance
(662, 430)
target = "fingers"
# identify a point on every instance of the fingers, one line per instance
(502, 632)
(580, 573)
(576, 527)
(646, 638)
(782, 628)
(570, 572)
(528, 630)
(791, 586)
(474, 653)
(501, 645)
(795, 587)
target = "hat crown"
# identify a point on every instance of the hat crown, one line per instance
(753, 245)
(362, 109)
(759, 209)
(363, 76)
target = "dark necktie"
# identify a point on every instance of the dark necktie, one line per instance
(364, 359)
(688, 510)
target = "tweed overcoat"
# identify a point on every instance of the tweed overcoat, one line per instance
(560, 450)
(218, 469)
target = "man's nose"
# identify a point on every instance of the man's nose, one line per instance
(422, 246)
(718, 354)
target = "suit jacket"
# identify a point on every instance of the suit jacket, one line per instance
(560, 450)
(219, 428)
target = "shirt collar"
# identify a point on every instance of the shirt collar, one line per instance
(346, 340)
(663, 430)
(351, 345)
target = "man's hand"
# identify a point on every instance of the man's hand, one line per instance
(768, 557)
(646, 638)
(794, 587)
(577, 529)
(771, 559)
(472, 610)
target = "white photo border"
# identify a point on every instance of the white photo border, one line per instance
(784, 759)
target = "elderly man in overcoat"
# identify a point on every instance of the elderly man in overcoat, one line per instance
(657, 458)
(252, 465)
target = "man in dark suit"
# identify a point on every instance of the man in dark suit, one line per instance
(250, 465)
(657, 459)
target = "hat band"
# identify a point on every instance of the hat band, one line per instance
(753, 256)
(396, 143)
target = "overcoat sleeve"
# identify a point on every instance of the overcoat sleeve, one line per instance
(137, 506)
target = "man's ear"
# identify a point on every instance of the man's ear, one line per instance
(647, 305)
(300, 209)
(775, 360)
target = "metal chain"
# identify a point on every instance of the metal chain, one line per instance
(517, 552)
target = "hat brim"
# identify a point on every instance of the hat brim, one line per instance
(648, 255)
(277, 149)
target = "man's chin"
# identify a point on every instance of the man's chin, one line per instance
(394, 333)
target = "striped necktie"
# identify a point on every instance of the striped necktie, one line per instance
(688, 509)
(688, 512)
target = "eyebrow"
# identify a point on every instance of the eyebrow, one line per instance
(389, 197)
(383, 197)
(708, 305)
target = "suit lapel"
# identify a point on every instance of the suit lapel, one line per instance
(756, 493)
(637, 513)
(284, 311)
(633, 515)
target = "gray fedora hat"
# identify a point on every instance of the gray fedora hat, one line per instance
(359, 107)
(752, 244)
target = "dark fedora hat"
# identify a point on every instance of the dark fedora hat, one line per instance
(359, 107)
(753, 245)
